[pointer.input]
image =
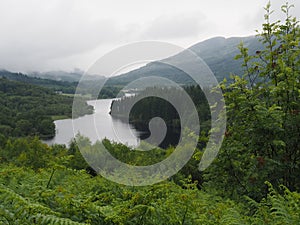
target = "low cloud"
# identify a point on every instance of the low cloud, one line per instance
(32, 35)
(56, 34)
(176, 26)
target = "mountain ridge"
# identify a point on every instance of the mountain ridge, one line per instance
(218, 53)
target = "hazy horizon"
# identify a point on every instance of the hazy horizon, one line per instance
(67, 35)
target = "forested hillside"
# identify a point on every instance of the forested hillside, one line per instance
(30, 110)
(89, 88)
(64, 86)
(147, 108)
(218, 53)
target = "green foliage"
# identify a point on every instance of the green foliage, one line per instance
(285, 208)
(278, 207)
(147, 107)
(15, 209)
(75, 196)
(27, 109)
(54, 85)
(87, 87)
(108, 91)
(51, 191)
(262, 137)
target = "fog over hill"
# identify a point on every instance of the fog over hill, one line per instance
(218, 53)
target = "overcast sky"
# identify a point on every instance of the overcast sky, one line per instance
(42, 35)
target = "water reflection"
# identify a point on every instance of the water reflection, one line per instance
(97, 126)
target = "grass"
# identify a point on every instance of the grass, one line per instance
(60, 117)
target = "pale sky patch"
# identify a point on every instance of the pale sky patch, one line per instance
(41, 35)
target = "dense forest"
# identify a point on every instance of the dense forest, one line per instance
(63, 86)
(148, 106)
(88, 88)
(254, 179)
(29, 110)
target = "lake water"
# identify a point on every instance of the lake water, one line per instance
(97, 126)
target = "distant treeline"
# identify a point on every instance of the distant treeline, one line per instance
(64, 86)
(88, 88)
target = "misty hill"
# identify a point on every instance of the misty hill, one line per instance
(88, 87)
(64, 86)
(73, 76)
(218, 53)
